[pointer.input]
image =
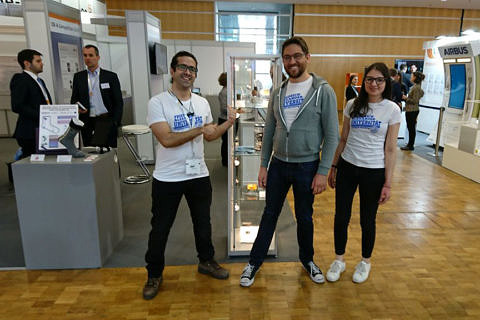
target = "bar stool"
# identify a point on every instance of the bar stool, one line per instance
(132, 131)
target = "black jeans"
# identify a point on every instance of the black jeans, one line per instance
(166, 198)
(370, 183)
(411, 118)
(282, 175)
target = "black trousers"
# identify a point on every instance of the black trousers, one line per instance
(411, 118)
(370, 183)
(28, 147)
(105, 127)
(224, 150)
(166, 198)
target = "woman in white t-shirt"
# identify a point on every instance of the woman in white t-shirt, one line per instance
(365, 158)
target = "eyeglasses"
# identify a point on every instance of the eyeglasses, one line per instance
(184, 67)
(296, 56)
(370, 80)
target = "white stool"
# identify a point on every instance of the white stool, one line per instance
(131, 131)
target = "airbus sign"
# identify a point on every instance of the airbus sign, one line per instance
(457, 51)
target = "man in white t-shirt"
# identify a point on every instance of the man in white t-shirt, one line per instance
(180, 121)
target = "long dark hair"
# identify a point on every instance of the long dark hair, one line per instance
(360, 104)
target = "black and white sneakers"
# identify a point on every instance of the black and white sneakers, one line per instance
(314, 272)
(248, 275)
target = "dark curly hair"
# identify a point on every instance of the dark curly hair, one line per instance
(419, 77)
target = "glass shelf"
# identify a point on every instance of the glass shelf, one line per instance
(248, 96)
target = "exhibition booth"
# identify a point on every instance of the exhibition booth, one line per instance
(452, 85)
(86, 192)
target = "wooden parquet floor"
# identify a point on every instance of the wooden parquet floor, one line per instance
(426, 265)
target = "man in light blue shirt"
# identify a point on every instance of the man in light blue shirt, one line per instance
(98, 90)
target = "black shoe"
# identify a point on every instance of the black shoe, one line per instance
(314, 272)
(407, 148)
(212, 268)
(248, 275)
(150, 289)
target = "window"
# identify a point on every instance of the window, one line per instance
(265, 24)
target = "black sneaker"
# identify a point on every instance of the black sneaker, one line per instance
(407, 148)
(150, 289)
(248, 275)
(314, 272)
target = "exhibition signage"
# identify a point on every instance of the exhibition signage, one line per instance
(66, 40)
(456, 51)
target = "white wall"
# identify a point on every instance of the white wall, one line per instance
(211, 56)
(120, 65)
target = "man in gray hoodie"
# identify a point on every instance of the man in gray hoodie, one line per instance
(301, 122)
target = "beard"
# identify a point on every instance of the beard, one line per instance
(296, 74)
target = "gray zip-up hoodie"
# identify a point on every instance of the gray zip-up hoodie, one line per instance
(314, 129)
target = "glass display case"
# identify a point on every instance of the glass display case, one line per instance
(251, 79)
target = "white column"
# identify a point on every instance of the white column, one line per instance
(142, 28)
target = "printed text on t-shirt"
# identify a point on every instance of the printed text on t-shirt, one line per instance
(367, 122)
(293, 101)
(180, 122)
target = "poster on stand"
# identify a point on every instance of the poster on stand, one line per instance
(66, 48)
(54, 121)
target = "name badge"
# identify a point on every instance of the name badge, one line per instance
(105, 85)
(192, 166)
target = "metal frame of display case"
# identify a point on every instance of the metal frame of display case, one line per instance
(244, 160)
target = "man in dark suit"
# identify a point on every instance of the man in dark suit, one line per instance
(98, 90)
(28, 92)
(406, 77)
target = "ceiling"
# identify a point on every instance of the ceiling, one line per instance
(451, 4)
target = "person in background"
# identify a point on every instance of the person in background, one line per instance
(351, 92)
(180, 121)
(98, 90)
(364, 159)
(412, 109)
(405, 76)
(397, 95)
(222, 98)
(28, 91)
(302, 121)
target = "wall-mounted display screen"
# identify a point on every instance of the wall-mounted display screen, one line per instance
(158, 58)
(457, 85)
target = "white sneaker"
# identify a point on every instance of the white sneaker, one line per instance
(362, 270)
(336, 269)
(314, 272)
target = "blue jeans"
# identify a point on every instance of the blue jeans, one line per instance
(282, 175)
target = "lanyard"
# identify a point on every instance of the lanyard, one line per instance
(190, 111)
(91, 84)
(190, 114)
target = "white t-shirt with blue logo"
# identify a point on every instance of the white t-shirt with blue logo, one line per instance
(366, 139)
(170, 162)
(294, 96)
